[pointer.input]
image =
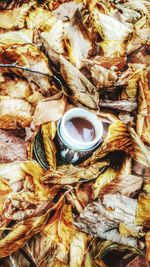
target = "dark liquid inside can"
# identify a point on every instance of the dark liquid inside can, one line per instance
(80, 129)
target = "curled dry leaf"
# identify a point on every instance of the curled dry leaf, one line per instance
(20, 234)
(124, 183)
(77, 40)
(57, 236)
(69, 174)
(55, 105)
(19, 37)
(148, 245)
(117, 31)
(81, 89)
(48, 132)
(44, 244)
(21, 206)
(105, 247)
(33, 198)
(117, 139)
(139, 38)
(33, 169)
(26, 60)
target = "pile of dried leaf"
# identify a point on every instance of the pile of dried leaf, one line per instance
(55, 55)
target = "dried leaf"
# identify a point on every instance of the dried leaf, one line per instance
(22, 36)
(143, 207)
(12, 148)
(141, 56)
(142, 124)
(103, 179)
(14, 111)
(124, 105)
(17, 259)
(65, 226)
(100, 221)
(33, 198)
(40, 19)
(139, 261)
(26, 60)
(56, 107)
(84, 193)
(117, 139)
(48, 132)
(81, 89)
(104, 247)
(44, 244)
(123, 184)
(107, 62)
(15, 88)
(55, 36)
(129, 229)
(69, 174)
(102, 77)
(20, 234)
(15, 17)
(77, 40)
(141, 153)
(12, 171)
(117, 32)
(33, 169)
(78, 249)
(147, 237)
(114, 36)
(123, 208)
(66, 231)
(67, 10)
